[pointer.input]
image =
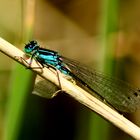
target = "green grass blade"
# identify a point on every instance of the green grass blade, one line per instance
(99, 128)
(20, 82)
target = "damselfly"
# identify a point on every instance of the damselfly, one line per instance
(116, 92)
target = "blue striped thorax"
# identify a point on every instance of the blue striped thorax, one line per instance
(46, 56)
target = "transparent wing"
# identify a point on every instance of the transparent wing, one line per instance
(116, 92)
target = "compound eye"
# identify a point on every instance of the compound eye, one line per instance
(33, 42)
(28, 46)
(31, 46)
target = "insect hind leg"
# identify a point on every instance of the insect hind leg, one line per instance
(57, 73)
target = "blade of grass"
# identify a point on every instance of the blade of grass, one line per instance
(20, 79)
(17, 99)
(99, 128)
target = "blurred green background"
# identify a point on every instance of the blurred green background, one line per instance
(103, 34)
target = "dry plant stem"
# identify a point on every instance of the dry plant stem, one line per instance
(77, 93)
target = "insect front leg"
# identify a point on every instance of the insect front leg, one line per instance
(29, 64)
